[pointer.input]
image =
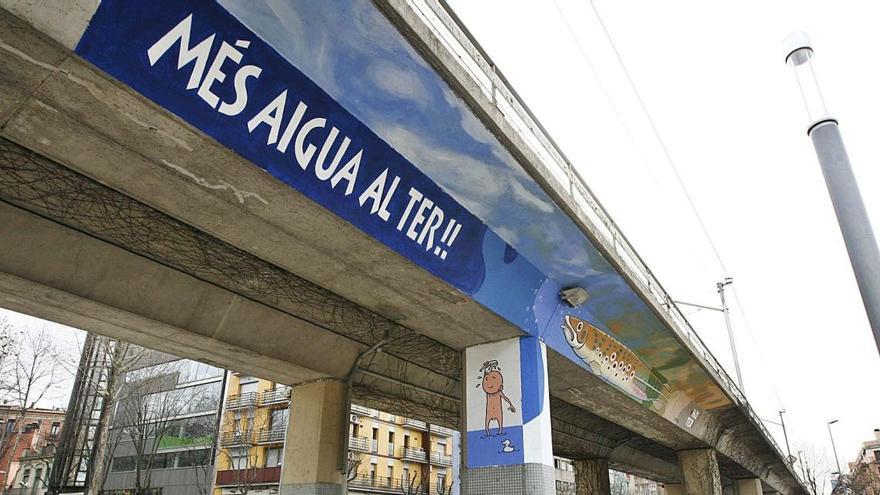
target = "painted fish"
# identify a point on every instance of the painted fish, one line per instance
(613, 361)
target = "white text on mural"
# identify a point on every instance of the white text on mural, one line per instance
(292, 131)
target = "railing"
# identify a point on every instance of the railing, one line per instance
(236, 438)
(361, 444)
(247, 399)
(447, 28)
(275, 396)
(248, 477)
(413, 454)
(376, 482)
(442, 430)
(441, 459)
(365, 411)
(271, 435)
(414, 423)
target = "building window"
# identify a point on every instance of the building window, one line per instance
(390, 443)
(56, 427)
(441, 446)
(247, 387)
(26, 476)
(375, 446)
(10, 425)
(278, 419)
(193, 458)
(274, 456)
(239, 457)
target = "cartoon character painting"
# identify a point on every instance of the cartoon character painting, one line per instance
(493, 385)
(615, 362)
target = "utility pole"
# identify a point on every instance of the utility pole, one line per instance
(852, 216)
(833, 448)
(724, 309)
(785, 434)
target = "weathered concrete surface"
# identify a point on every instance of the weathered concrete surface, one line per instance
(52, 102)
(750, 486)
(591, 477)
(700, 470)
(314, 457)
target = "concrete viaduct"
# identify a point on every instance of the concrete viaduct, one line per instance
(142, 198)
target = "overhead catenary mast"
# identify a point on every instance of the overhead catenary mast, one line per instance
(839, 178)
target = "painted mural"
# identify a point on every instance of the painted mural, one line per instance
(330, 99)
(507, 415)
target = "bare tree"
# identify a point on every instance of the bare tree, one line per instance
(412, 484)
(352, 465)
(116, 358)
(239, 432)
(864, 479)
(816, 470)
(146, 418)
(33, 371)
(619, 485)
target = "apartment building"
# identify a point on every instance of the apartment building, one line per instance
(252, 434)
(22, 434)
(393, 454)
(163, 428)
(387, 453)
(35, 467)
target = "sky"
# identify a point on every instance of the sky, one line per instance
(728, 110)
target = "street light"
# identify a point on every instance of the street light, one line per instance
(839, 178)
(833, 448)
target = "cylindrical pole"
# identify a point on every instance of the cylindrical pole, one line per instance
(861, 245)
(852, 217)
(726, 311)
(785, 434)
(833, 448)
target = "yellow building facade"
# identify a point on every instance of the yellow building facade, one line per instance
(387, 453)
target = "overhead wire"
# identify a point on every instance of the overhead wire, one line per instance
(671, 162)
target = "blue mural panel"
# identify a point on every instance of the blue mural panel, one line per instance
(330, 99)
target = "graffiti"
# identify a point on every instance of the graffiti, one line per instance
(615, 362)
(492, 383)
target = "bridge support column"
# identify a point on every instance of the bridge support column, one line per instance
(506, 443)
(750, 486)
(591, 477)
(700, 470)
(673, 489)
(315, 450)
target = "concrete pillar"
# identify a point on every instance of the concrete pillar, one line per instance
(506, 443)
(674, 489)
(749, 486)
(700, 470)
(591, 477)
(314, 453)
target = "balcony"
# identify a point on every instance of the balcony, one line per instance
(413, 454)
(440, 459)
(415, 424)
(360, 444)
(271, 435)
(364, 411)
(249, 477)
(378, 483)
(248, 399)
(231, 438)
(442, 430)
(276, 396)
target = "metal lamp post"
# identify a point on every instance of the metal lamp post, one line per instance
(842, 186)
(833, 448)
